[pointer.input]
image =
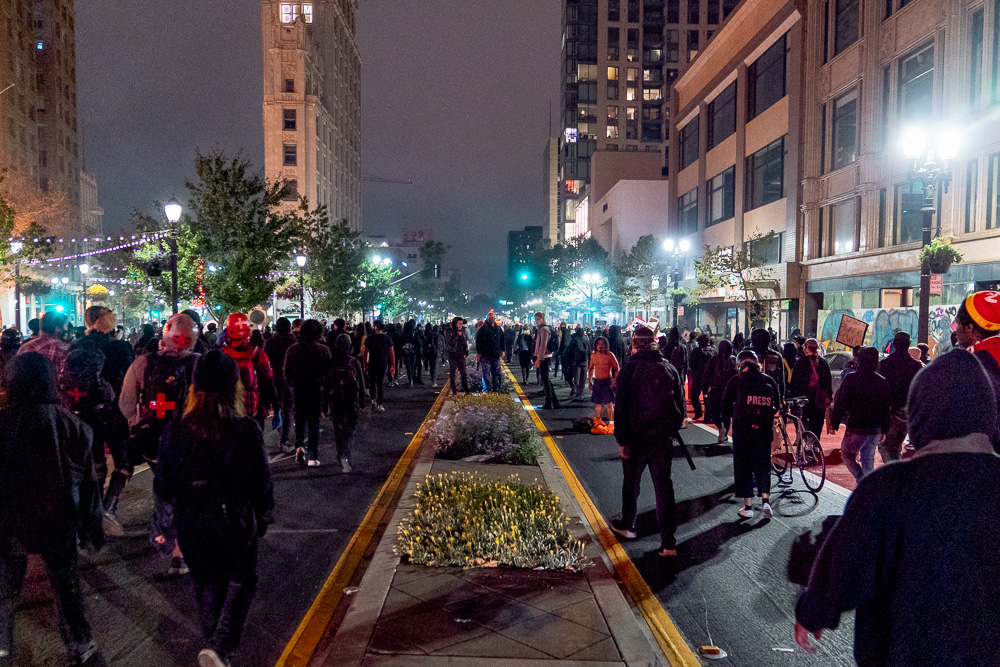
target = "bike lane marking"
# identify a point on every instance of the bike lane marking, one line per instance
(300, 649)
(673, 645)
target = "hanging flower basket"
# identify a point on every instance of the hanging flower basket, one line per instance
(940, 254)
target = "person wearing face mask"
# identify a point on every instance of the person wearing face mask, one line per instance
(811, 378)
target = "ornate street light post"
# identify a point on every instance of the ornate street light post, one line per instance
(172, 209)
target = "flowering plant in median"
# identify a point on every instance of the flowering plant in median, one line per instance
(493, 426)
(467, 520)
(475, 372)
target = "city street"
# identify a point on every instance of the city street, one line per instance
(142, 618)
(731, 572)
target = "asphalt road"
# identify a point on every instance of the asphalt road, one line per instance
(142, 618)
(731, 572)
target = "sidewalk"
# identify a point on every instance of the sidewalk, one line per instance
(497, 617)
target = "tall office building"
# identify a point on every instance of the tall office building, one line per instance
(620, 58)
(38, 122)
(521, 245)
(312, 103)
(550, 190)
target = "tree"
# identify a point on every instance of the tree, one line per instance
(432, 254)
(376, 291)
(335, 257)
(641, 276)
(741, 268)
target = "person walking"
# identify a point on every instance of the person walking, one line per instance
(978, 321)
(432, 352)
(564, 335)
(546, 346)
(915, 550)
(256, 373)
(148, 334)
(601, 376)
(899, 369)
(751, 401)
(10, 343)
(864, 399)
(276, 347)
(523, 347)
(457, 347)
(51, 500)
(649, 410)
(720, 370)
(489, 349)
(413, 343)
(770, 360)
(48, 343)
(345, 386)
(811, 378)
(307, 363)
(509, 336)
(214, 471)
(577, 359)
(698, 363)
(118, 356)
(379, 358)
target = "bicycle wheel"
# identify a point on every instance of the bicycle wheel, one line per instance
(813, 461)
(780, 458)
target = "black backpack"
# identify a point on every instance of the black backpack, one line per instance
(165, 386)
(552, 347)
(582, 356)
(342, 383)
(655, 387)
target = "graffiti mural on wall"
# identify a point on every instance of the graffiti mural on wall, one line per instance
(883, 323)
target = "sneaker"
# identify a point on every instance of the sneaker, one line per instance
(209, 658)
(177, 567)
(435, 385)
(286, 447)
(300, 455)
(112, 526)
(380, 409)
(78, 657)
(313, 463)
(619, 527)
(746, 513)
(766, 510)
(345, 465)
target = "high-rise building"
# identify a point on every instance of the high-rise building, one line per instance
(91, 215)
(550, 190)
(521, 245)
(38, 121)
(620, 58)
(312, 103)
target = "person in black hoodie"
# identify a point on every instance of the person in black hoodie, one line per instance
(698, 364)
(214, 471)
(276, 347)
(899, 369)
(489, 349)
(864, 399)
(915, 551)
(345, 387)
(306, 366)
(811, 378)
(118, 356)
(771, 363)
(51, 500)
(721, 369)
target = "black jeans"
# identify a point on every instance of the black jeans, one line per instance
(551, 401)
(814, 417)
(376, 383)
(752, 461)
(694, 393)
(432, 367)
(307, 423)
(343, 434)
(225, 581)
(657, 454)
(457, 364)
(61, 567)
(524, 358)
(284, 393)
(714, 399)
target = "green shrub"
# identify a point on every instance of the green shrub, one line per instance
(494, 426)
(466, 520)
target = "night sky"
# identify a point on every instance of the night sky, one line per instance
(455, 95)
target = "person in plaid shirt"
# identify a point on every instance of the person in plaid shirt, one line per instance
(48, 343)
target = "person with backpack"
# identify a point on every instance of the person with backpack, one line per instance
(811, 379)
(306, 366)
(720, 370)
(457, 346)
(276, 347)
(413, 348)
(214, 471)
(345, 387)
(698, 363)
(546, 347)
(255, 370)
(118, 355)
(51, 500)
(649, 410)
(88, 395)
(523, 347)
(863, 399)
(771, 363)
(578, 358)
(751, 400)
(379, 357)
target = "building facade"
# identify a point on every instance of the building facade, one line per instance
(551, 210)
(91, 215)
(521, 245)
(620, 58)
(734, 174)
(39, 141)
(312, 103)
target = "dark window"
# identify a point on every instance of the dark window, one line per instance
(916, 84)
(652, 132)
(587, 91)
(673, 46)
(722, 197)
(687, 212)
(694, 11)
(289, 85)
(845, 24)
(291, 190)
(289, 119)
(722, 116)
(822, 140)
(971, 194)
(886, 107)
(728, 6)
(976, 58)
(880, 241)
(845, 129)
(673, 11)
(826, 30)
(633, 44)
(766, 79)
(633, 11)
(614, 10)
(993, 193)
(291, 155)
(689, 143)
(767, 249)
(908, 220)
(614, 34)
(766, 175)
(713, 12)
(692, 45)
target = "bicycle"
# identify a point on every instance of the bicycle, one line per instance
(805, 451)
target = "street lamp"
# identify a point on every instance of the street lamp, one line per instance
(300, 259)
(15, 248)
(172, 209)
(84, 270)
(924, 155)
(677, 253)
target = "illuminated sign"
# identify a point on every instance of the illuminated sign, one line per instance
(569, 136)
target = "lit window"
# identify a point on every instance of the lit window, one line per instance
(286, 13)
(290, 11)
(40, 46)
(652, 94)
(307, 11)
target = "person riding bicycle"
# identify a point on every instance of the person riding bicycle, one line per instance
(751, 399)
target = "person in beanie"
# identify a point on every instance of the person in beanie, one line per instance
(306, 365)
(649, 410)
(345, 388)
(864, 400)
(51, 500)
(255, 369)
(915, 551)
(978, 321)
(899, 369)
(214, 471)
(751, 400)
(276, 347)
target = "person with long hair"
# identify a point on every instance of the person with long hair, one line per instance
(601, 375)
(214, 471)
(51, 500)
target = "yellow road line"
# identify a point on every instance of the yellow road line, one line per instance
(667, 636)
(308, 635)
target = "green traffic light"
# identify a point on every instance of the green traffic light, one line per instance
(524, 276)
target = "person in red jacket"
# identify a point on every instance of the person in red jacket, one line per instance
(978, 330)
(255, 369)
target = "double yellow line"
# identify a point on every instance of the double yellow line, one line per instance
(302, 647)
(678, 653)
